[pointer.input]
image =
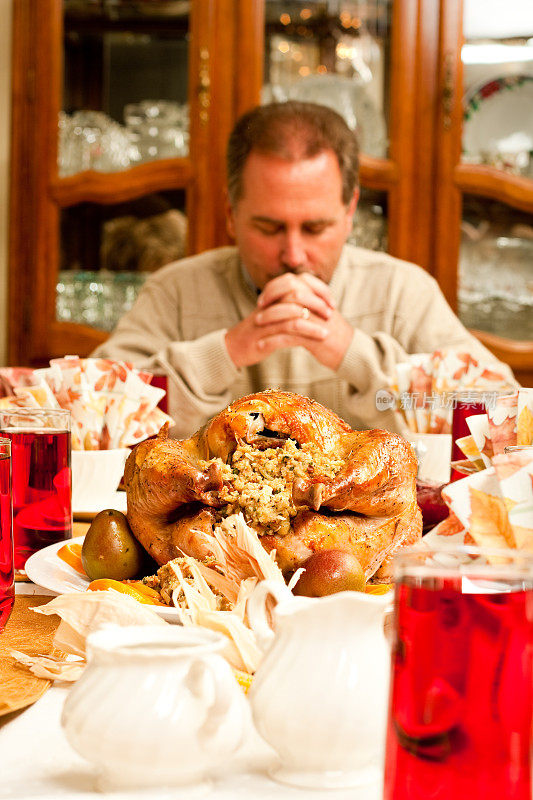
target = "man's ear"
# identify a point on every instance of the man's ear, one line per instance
(350, 210)
(353, 202)
(230, 223)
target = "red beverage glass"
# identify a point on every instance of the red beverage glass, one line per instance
(465, 404)
(41, 478)
(461, 696)
(161, 381)
(7, 579)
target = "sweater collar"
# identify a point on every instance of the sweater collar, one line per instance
(248, 280)
(338, 280)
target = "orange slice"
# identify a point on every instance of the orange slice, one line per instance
(144, 595)
(146, 590)
(379, 588)
(70, 553)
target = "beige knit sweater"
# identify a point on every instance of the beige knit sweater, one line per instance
(178, 323)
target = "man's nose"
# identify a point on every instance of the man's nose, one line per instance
(293, 251)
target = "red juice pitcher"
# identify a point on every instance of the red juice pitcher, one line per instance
(41, 478)
(7, 579)
(461, 693)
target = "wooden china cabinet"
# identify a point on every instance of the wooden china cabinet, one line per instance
(121, 111)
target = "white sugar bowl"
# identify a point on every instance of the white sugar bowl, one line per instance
(156, 706)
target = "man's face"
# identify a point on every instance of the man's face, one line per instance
(291, 217)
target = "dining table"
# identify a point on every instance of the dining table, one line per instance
(38, 762)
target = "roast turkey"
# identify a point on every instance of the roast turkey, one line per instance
(304, 480)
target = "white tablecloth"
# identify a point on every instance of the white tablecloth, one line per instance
(36, 761)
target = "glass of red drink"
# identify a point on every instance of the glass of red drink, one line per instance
(465, 404)
(461, 696)
(7, 579)
(41, 478)
(161, 381)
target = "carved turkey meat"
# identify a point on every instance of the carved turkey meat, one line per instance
(303, 479)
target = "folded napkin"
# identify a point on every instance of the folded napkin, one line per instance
(495, 505)
(423, 387)
(112, 404)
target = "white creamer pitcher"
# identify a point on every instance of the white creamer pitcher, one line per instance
(155, 706)
(320, 695)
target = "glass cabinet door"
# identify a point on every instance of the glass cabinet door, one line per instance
(125, 84)
(497, 59)
(125, 81)
(495, 277)
(108, 251)
(335, 53)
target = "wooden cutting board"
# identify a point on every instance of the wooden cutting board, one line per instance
(30, 633)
